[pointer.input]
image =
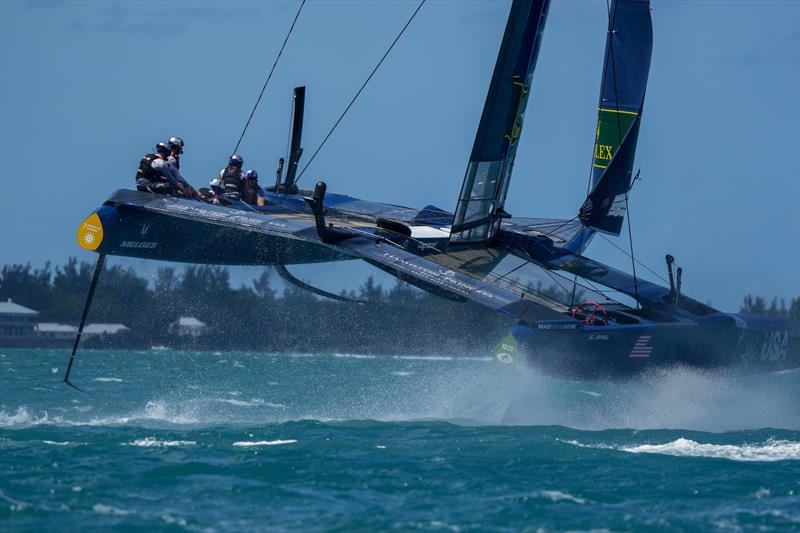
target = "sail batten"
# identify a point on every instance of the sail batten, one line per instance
(483, 193)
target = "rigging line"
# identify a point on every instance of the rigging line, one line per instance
(546, 271)
(653, 272)
(619, 140)
(269, 77)
(374, 70)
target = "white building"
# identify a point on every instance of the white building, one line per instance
(52, 330)
(101, 330)
(16, 321)
(188, 326)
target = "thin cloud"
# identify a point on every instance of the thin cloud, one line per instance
(776, 50)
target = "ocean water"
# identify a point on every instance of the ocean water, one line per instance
(232, 441)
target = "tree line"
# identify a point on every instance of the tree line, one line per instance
(401, 319)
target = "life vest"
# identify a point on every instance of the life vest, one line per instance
(149, 179)
(146, 172)
(232, 180)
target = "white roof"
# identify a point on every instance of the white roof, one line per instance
(52, 327)
(191, 322)
(100, 329)
(10, 308)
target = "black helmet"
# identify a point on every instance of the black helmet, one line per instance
(163, 148)
(251, 175)
(236, 161)
(176, 142)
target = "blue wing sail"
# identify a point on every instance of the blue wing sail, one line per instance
(629, 46)
(483, 193)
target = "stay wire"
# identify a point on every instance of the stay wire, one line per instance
(269, 77)
(643, 265)
(374, 70)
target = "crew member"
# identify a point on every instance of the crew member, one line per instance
(231, 178)
(176, 149)
(155, 174)
(174, 160)
(253, 194)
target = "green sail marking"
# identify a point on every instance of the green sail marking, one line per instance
(612, 126)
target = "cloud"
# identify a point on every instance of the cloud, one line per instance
(776, 50)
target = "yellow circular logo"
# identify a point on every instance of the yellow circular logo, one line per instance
(90, 233)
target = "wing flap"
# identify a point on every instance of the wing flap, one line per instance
(431, 275)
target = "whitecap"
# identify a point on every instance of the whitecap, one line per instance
(771, 450)
(558, 496)
(22, 418)
(590, 393)
(264, 442)
(55, 443)
(354, 356)
(253, 402)
(108, 380)
(423, 357)
(100, 508)
(401, 373)
(152, 442)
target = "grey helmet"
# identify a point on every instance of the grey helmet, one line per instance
(251, 175)
(163, 148)
(176, 142)
(236, 161)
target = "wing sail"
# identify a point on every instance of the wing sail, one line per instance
(627, 64)
(483, 193)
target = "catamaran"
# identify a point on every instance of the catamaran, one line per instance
(575, 316)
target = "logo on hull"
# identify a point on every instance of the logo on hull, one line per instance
(90, 233)
(642, 347)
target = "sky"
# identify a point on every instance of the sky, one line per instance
(87, 88)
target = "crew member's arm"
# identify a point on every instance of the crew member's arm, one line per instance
(164, 169)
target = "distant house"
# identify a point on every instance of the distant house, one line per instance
(187, 326)
(16, 322)
(102, 330)
(54, 331)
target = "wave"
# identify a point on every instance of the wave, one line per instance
(108, 380)
(768, 451)
(771, 450)
(100, 508)
(158, 411)
(558, 496)
(255, 402)
(247, 443)
(354, 356)
(152, 442)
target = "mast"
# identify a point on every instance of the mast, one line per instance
(483, 193)
(295, 151)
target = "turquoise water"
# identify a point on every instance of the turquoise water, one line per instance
(204, 441)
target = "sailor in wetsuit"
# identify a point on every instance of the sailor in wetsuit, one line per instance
(155, 174)
(253, 194)
(231, 178)
(174, 161)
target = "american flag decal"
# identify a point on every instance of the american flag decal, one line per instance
(642, 347)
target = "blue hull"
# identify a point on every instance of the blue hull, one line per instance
(131, 231)
(739, 343)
